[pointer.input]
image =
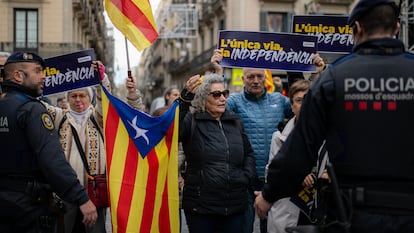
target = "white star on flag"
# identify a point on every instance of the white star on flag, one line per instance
(139, 131)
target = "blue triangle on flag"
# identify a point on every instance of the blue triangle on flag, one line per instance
(145, 130)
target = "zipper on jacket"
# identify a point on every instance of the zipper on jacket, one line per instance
(227, 162)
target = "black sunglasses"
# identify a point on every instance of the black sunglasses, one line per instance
(217, 94)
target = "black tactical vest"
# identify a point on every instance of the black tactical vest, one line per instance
(16, 156)
(372, 117)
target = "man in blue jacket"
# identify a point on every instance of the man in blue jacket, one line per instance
(260, 112)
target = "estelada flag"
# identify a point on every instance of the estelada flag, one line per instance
(134, 19)
(270, 86)
(142, 167)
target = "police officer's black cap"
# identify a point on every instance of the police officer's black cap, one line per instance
(25, 57)
(363, 6)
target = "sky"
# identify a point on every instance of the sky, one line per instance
(121, 66)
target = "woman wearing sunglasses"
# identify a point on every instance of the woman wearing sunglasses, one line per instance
(220, 162)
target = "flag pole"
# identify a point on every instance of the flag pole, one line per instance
(127, 55)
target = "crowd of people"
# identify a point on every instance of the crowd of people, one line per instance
(245, 154)
(373, 176)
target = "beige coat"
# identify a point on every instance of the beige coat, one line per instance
(90, 138)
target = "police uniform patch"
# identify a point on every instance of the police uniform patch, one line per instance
(47, 121)
(27, 56)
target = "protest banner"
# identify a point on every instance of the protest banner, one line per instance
(333, 32)
(69, 71)
(267, 50)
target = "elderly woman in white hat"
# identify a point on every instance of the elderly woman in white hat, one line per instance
(83, 122)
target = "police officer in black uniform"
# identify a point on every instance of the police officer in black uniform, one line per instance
(32, 163)
(363, 105)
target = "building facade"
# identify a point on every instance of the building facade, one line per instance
(172, 60)
(56, 27)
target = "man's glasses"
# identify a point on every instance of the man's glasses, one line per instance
(217, 94)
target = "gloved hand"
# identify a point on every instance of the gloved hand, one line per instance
(99, 67)
(101, 71)
(191, 86)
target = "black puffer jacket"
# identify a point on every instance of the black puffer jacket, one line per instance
(220, 164)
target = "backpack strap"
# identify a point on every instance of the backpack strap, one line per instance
(64, 118)
(80, 149)
(189, 143)
(77, 140)
(92, 118)
(193, 125)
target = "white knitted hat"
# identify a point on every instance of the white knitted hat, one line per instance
(89, 90)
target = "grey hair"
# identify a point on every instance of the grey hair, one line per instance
(200, 98)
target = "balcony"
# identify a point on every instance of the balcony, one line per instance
(179, 1)
(203, 58)
(176, 67)
(196, 65)
(279, 0)
(211, 8)
(335, 2)
(44, 49)
(78, 4)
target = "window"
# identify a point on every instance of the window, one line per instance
(222, 24)
(212, 38)
(26, 29)
(274, 21)
(202, 42)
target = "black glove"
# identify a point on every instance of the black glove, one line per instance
(186, 96)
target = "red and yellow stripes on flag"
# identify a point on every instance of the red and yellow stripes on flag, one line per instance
(143, 191)
(270, 86)
(134, 19)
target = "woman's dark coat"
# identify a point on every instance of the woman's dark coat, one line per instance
(220, 164)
